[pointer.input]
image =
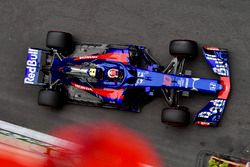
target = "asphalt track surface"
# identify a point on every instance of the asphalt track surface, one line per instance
(152, 23)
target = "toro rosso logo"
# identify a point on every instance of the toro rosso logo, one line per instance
(32, 66)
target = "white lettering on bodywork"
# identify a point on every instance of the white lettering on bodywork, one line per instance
(31, 66)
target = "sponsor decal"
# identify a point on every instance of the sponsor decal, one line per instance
(113, 56)
(219, 66)
(82, 87)
(86, 57)
(221, 70)
(32, 66)
(167, 80)
(212, 86)
(204, 114)
(216, 107)
(181, 82)
(141, 76)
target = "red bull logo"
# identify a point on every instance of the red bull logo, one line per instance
(32, 66)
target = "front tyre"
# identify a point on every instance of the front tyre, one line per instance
(50, 98)
(176, 116)
(183, 48)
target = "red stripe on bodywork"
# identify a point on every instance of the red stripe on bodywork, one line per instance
(105, 92)
(114, 56)
(86, 57)
(82, 87)
(202, 123)
(225, 82)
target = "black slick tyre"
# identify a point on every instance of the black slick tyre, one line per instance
(61, 41)
(183, 48)
(177, 116)
(50, 98)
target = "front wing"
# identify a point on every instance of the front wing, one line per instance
(212, 113)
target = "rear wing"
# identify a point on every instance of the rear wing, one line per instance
(211, 114)
(35, 59)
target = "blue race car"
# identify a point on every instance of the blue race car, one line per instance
(125, 77)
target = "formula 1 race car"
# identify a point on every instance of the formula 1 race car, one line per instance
(125, 77)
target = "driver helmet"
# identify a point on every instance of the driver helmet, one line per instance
(113, 73)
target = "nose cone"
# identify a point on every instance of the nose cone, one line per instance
(219, 87)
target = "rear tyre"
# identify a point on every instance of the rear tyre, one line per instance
(178, 116)
(46, 69)
(61, 41)
(183, 48)
(50, 98)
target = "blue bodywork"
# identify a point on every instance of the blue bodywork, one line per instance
(141, 77)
